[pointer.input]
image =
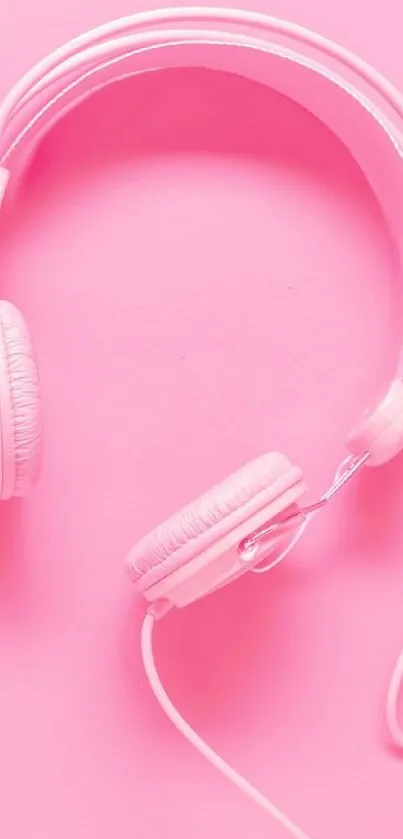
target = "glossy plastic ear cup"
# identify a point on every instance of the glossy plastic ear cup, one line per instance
(19, 405)
(225, 509)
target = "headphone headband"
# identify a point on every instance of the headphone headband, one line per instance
(113, 42)
(134, 45)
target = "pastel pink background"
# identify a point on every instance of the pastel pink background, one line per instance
(207, 276)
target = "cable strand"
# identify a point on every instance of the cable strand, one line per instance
(392, 703)
(199, 744)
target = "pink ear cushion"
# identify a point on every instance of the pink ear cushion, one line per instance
(218, 511)
(19, 408)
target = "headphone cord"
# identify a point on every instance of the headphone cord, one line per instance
(158, 609)
(392, 703)
(195, 740)
(147, 651)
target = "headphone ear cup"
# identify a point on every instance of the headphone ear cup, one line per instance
(19, 405)
(209, 519)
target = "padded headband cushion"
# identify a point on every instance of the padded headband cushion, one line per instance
(19, 410)
(215, 513)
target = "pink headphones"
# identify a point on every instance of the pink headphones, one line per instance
(253, 518)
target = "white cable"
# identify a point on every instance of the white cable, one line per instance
(392, 703)
(195, 740)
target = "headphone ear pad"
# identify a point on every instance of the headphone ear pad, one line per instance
(19, 405)
(211, 517)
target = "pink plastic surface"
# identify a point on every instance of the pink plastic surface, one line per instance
(206, 275)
